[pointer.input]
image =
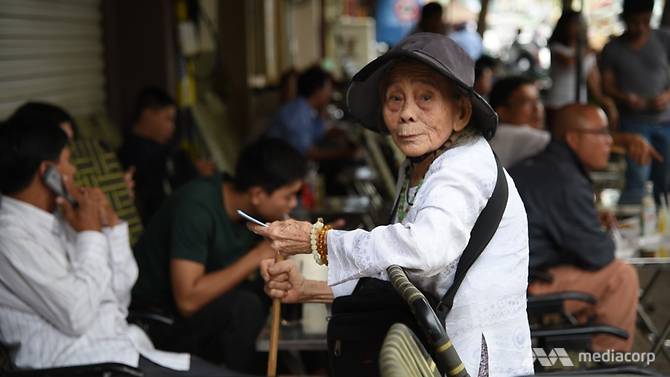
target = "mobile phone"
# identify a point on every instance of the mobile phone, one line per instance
(255, 221)
(54, 182)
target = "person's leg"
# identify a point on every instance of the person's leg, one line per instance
(226, 329)
(661, 169)
(248, 315)
(198, 368)
(615, 288)
(618, 306)
(636, 175)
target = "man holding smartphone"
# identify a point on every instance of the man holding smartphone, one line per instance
(66, 269)
(196, 255)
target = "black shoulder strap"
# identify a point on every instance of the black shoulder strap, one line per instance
(485, 226)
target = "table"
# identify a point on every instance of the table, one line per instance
(659, 339)
(292, 338)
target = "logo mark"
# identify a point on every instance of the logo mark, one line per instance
(554, 356)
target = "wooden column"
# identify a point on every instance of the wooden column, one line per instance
(232, 81)
(139, 51)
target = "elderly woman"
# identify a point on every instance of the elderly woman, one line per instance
(421, 93)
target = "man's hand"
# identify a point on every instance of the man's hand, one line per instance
(640, 151)
(86, 216)
(661, 101)
(607, 219)
(107, 215)
(635, 102)
(205, 168)
(129, 180)
(283, 280)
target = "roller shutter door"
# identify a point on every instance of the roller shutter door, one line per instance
(52, 50)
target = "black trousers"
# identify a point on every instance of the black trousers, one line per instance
(223, 332)
(199, 368)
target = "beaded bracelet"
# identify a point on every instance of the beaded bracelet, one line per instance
(322, 245)
(313, 239)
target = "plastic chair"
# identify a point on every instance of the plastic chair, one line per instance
(553, 327)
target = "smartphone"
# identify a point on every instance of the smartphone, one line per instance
(255, 221)
(54, 181)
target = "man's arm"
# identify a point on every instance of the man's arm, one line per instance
(66, 293)
(193, 289)
(636, 147)
(122, 263)
(610, 86)
(594, 83)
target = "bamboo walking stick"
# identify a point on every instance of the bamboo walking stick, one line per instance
(274, 331)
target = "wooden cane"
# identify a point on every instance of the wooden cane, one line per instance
(274, 331)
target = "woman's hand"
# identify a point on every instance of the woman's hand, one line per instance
(282, 280)
(289, 237)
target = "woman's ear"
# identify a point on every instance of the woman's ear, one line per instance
(464, 114)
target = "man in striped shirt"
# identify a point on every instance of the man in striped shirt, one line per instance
(66, 270)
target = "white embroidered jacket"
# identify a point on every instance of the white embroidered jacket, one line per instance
(428, 244)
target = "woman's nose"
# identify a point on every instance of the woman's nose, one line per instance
(408, 111)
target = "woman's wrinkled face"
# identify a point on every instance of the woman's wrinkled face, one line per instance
(420, 108)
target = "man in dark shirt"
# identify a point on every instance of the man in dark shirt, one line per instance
(565, 235)
(197, 253)
(149, 150)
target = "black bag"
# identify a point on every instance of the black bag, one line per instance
(359, 322)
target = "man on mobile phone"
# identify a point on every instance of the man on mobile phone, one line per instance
(66, 270)
(196, 254)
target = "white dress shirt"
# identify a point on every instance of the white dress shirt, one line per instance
(64, 295)
(428, 243)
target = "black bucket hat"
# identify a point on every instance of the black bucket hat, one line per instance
(437, 51)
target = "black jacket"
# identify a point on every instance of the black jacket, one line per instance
(563, 222)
